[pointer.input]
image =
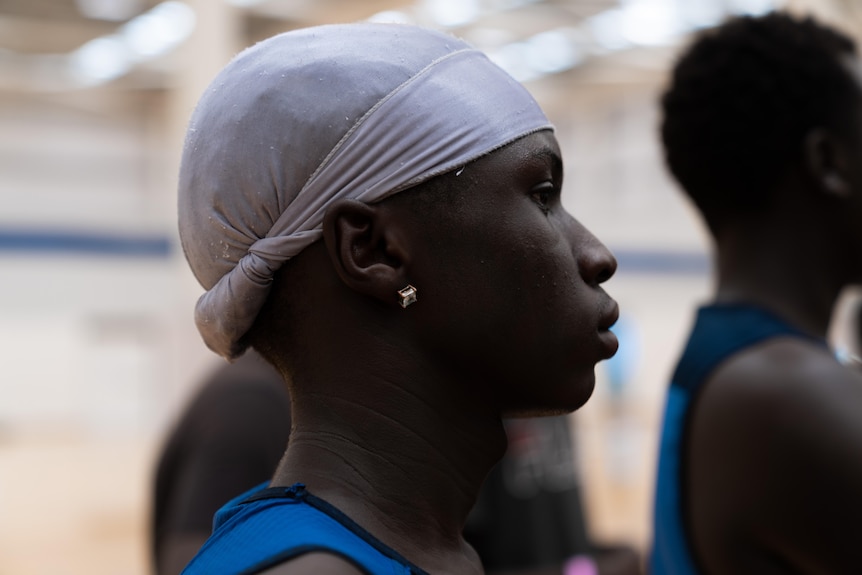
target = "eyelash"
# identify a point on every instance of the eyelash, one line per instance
(543, 196)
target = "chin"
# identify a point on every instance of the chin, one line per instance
(584, 388)
(573, 396)
(583, 400)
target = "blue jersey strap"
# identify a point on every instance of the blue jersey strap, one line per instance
(268, 526)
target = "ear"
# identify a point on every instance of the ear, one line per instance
(367, 253)
(826, 159)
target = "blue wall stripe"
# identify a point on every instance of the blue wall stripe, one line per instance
(84, 243)
(662, 262)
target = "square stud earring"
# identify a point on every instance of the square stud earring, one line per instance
(407, 296)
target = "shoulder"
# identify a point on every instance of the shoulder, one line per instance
(787, 398)
(315, 564)
(788, 384)
(773, 448)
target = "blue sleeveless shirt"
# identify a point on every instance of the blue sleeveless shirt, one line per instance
(267, 526)
(720, 330)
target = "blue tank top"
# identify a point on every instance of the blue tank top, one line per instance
(720, 331)
(267, 526)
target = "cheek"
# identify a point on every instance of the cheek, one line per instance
(549, 311)
(566, 310)
(549, 273)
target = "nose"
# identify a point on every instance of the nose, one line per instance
(596, 263)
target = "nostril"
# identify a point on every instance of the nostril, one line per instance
(607, 272)
(604, 275)
(599, 267)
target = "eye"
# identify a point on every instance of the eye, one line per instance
(543, 195)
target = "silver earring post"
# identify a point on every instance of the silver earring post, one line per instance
(407, 296)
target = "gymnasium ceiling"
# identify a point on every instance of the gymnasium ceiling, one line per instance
(51, 45)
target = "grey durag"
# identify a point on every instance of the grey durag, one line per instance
(357, 111)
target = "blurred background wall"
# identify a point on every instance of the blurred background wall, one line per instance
(98, 351)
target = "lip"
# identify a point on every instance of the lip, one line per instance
(608, 339)
(610, 316)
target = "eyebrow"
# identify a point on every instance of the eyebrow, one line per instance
(547, 154)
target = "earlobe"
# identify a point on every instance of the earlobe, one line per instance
(825, 158)
(367, 254)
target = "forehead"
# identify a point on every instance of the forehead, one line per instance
(539, 147)
(471, 190)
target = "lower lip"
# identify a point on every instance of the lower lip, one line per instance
(609, 343)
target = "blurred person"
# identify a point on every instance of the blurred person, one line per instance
(228, 439)
(759, 468)
(376, 210)
(529, 518)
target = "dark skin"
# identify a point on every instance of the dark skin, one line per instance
(773, 470)
(398, 412)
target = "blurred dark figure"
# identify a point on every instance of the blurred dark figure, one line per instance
(229, 439)
(529, 519)
(760, 466)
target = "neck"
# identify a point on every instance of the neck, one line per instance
(787, 273)
(402, 451)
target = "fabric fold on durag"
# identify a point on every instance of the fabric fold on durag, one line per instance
(456, 108)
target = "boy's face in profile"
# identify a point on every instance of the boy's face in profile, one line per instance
(521, 278)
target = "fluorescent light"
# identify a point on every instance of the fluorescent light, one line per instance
(651, 22)
(551, 51)
(142, 38)
(159, 30)
(391, 17)
(607, 30)
(100, 60)
(452, 13)
(112, 10)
